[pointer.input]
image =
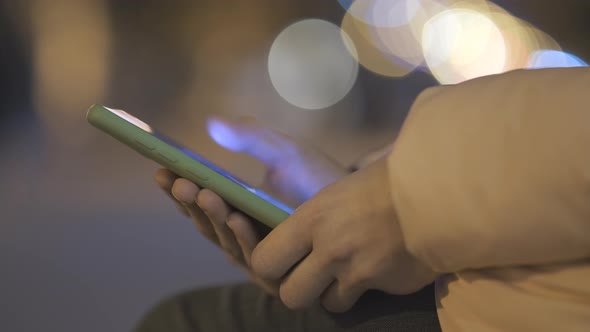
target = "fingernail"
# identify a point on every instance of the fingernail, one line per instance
(174, 196)
(200, 207)
(230, 222)
(179, 200)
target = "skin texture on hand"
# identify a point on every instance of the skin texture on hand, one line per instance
(293, 169)
(340, 243)
(232, 231)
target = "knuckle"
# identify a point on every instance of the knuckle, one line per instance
(259, 264)
(361, 278)
(352, 281)
(289, 298)
(338, 253)
(334, 305)
(340, 297)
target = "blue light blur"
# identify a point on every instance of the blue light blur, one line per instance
(222, 130)
(346, 3)
(223, 135)
(554, 59)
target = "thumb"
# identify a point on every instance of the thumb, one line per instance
(250, 137)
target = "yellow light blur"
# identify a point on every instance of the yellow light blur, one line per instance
(521, 38)
(427, 9)
(478, 38)
(371, 52)
(404, 41)
(461, 44)
(72, 47)
(517, 39)
(456, 39)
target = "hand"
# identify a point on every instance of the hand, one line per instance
(293, 169)
(340, 243)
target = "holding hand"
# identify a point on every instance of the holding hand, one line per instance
(295, 170)
(341, 243)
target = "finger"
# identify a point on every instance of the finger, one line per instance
(282, 248)
(252, 138)
(306, 283)
(269, 286)
(248, 237)
(185, 192)
(340, 297)
(245, 233)
(218, 212)
(165, 179)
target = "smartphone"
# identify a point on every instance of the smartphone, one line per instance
(142, 138)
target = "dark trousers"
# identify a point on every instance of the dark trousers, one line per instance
(245, 307)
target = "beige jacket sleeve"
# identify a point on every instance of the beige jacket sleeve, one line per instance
(496, 171)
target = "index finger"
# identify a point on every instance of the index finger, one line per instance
(283, 247)
(165, 178)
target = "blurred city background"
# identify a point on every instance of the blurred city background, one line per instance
(87, 240)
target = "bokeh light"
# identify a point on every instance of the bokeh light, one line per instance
(384, 13)
(403, 41)
(554, 59)
(456, 40)
(461, 44)
(312, 64)
(387, 13)
(371, 52)
(519, 38)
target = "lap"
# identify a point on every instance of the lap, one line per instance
(245, 307)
